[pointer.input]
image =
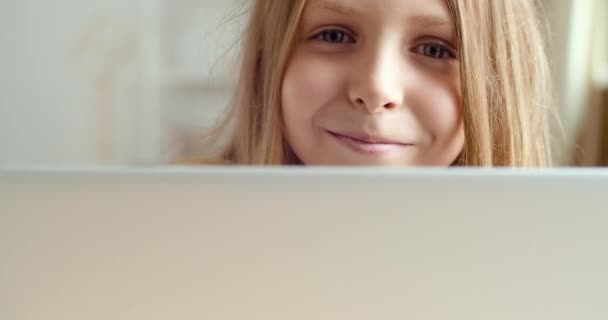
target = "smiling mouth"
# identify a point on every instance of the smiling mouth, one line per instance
(367, 144)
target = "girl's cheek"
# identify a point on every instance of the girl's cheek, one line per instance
(439, 102)
(444, 116)
(310, 79)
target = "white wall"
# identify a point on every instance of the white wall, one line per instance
(574, 69)
(106, 81)
(52, 76)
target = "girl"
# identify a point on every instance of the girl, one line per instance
(390, 82)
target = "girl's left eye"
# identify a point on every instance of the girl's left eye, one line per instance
(434, 51)
(335, 36)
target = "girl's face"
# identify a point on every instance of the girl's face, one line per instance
(374, 82)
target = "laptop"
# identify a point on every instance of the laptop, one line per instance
(235, 243)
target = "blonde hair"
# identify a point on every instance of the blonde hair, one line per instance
(505, 78)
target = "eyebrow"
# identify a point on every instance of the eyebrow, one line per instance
(431, 21)
(335, 7)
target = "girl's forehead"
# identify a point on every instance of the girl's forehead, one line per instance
(436, 9)
(411, 14)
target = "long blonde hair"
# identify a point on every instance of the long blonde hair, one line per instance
(505, 78)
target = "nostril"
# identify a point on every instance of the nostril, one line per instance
(390, 105)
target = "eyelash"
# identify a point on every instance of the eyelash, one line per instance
(443, 51)
(344, 34)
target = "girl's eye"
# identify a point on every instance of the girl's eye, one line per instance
(435, 51)
(335, 36)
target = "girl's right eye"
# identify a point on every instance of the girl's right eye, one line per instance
(334, 36)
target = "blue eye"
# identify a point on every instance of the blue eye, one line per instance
(435, 51)
(335, 36)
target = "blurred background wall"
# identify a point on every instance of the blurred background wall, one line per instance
(133, 81)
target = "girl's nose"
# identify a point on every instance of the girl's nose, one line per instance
(376, 84)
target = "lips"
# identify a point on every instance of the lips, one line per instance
(369, 145)
(364, 138)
